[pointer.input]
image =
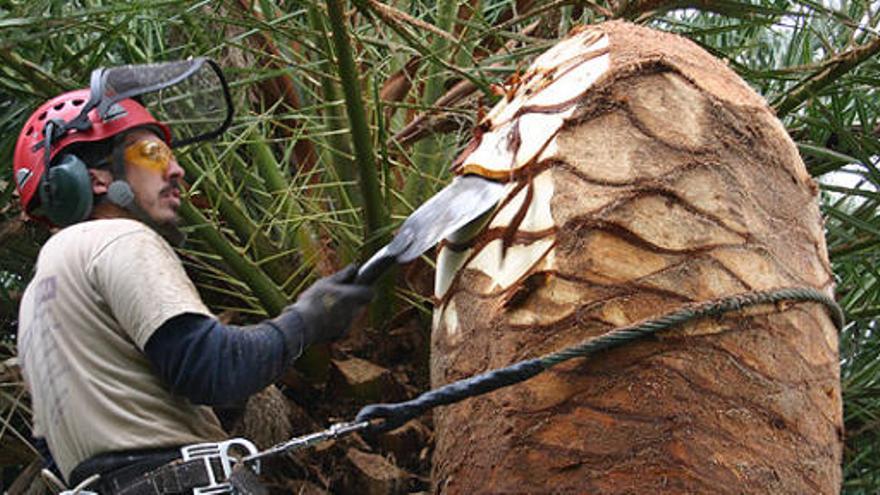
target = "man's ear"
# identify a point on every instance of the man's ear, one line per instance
(101, 180)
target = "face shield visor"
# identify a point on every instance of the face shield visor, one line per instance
(190, 96)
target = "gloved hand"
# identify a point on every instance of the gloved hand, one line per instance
(328, 307)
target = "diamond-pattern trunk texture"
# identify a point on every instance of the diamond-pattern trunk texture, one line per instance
(643, 174)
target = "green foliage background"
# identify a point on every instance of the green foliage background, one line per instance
(324, 158)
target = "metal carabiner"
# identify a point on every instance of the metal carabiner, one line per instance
(220, 451)
(334, 431)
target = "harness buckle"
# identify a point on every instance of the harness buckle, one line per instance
(223, 452)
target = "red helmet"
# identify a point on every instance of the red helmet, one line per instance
(29, 161)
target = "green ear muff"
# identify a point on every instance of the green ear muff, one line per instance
(66, 191)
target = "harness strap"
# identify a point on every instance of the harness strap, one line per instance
(177, 477)
(146, 473)
(201, 469)
(124, 465)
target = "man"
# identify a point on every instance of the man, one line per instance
(120, 354)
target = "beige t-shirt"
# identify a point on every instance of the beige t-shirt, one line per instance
(100, 291)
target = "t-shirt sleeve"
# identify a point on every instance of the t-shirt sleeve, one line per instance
(143, 282)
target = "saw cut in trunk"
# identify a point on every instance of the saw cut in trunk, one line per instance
(643, 174)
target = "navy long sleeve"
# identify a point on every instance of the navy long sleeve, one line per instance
(214, 364)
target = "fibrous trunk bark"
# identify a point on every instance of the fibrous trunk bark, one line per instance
(644, 174)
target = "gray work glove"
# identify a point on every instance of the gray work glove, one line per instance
(328, 307)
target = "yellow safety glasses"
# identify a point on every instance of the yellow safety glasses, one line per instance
(152, 154)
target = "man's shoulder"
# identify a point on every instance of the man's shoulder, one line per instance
(101, 231)
(94, 236)
(106, 226)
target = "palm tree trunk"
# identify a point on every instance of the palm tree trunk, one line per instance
(651, 178)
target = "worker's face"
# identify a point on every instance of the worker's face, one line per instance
(154, 176)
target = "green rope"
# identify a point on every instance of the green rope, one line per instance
(718, 307)
(394, 415)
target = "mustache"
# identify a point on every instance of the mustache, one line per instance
(174, 185)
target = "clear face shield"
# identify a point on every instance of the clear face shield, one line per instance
(190, 96)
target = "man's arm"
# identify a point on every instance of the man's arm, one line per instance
(215, 364)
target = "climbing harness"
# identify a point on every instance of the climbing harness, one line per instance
(203, 469)
(220, 451)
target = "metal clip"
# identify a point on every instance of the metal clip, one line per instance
(220, 451)
(334, 431)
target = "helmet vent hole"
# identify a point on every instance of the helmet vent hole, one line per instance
(59, 106)
(42, 116)
(30, 130)
(78, 102)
